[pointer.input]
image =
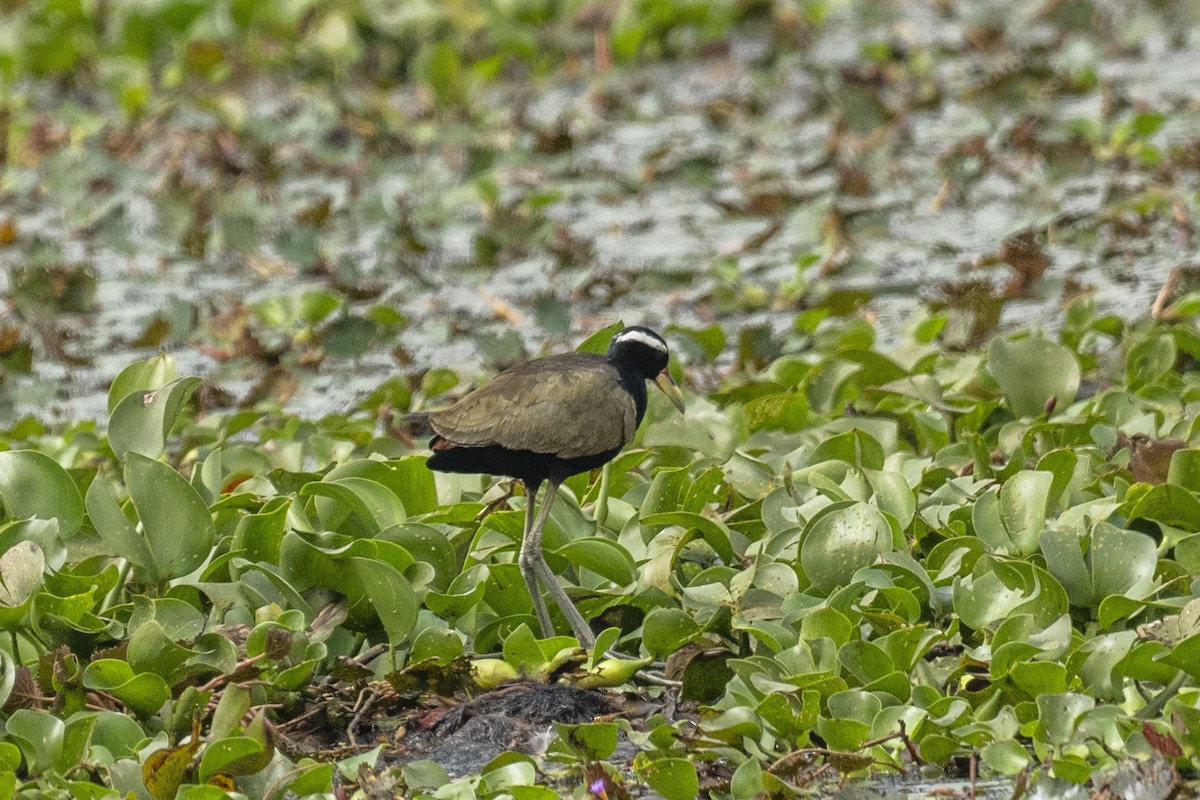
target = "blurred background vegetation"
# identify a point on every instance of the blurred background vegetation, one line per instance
(301, 199)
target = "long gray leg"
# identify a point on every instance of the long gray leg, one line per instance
(533, 541)
(530, 554)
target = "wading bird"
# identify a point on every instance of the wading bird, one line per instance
(546, 420)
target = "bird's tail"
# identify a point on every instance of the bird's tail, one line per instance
(418, 424)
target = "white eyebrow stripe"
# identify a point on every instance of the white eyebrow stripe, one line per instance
(643, 338)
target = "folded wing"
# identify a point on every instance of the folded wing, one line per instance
(569, 405)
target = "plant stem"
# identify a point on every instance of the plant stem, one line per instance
(600, 513)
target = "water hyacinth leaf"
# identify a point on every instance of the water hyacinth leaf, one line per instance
(424, 774)
(1065, 560)
(258, 535)
(389, 594)
(854, 446)
(1185, 469)
(117, 733)
(360, 506)
(1149, 359)
(1058, 715)
(429, 546)
(297, 310)
(231, 708)
(533, 792)
(673, 778)
(8, 679)
(504, 777)
(164, 770)
(714, 533)
(141, 376)
(22, 569)
(1118, 562)
(1098, 672)
(311, 778)
(467, 589)
(1010, 520)
(594, 741)
(235, 755)
(34, 486)
(1186, 656)
(982, 599)
(783, 411)
(665, 630)
(603, 557)
(893, 495)
(1122, 562)
(413, 483)
(750, 781)
(1187, 553)
(407, 478)
(1166, 503)
(152, 649)
(142, 422)
(40, 737)
(1008, 757)
(115, 529)
(599, 341)
(349, 336)
(436, 644)
(144, 693)
(175, 521)
(1032, 370)
(841, 540)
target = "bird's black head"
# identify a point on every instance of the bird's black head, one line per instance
(639, 349)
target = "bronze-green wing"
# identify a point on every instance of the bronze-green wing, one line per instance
(569, 405)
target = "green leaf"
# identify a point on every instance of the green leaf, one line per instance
(35, 487)
(842, 540)
(373, 505)
(673, 778)
(1149, 360)
(602, 556)
(594, 741)
(40, 737)
(714, 533)
(855, 447)
(1165, 503)
(144, 694)
(175, 522)
(665, 630)
(141, 376)
(22, 569)
(1185, 469)
(225, 754)
(142, 422)
(424, 774)
(1032, 370)
(1010, 520)
(313, 778)
(1058, 715)
(436, 644)
(114, 528)
(599, 341)
(390, 595)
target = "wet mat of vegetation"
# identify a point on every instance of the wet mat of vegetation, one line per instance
(889, 535)
(183, 193)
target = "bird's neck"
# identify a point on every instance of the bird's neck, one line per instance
(634, 383)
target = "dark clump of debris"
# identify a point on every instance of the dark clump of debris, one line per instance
(518, 716)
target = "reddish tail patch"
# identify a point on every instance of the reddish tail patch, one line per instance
(441, 444)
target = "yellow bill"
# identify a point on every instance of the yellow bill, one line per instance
(667, 384)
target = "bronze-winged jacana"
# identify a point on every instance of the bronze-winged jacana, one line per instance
(548, 419)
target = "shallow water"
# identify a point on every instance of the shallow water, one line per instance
(683, 193)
